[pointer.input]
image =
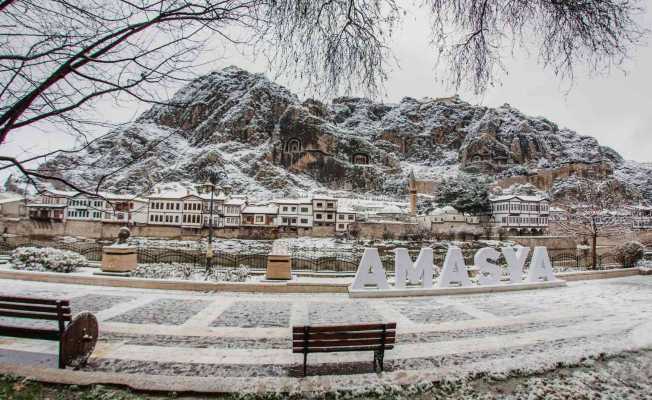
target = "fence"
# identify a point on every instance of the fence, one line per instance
(327, 260)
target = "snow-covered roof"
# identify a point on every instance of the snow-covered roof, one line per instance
(556, 209)
(237, 201)
(60, 193)
(216, 196)
(517, 196)
(292, 201)
(11, 199)
(260, 209)
(124, 197)
(444, 210)
(345, 210)
(322, 197)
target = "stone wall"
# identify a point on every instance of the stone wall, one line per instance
(376, 230)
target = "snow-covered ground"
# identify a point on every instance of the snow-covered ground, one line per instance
(241, 342)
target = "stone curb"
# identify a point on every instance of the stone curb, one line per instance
(141, 283)
(283, 287)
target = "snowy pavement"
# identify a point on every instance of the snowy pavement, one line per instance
(226, 339)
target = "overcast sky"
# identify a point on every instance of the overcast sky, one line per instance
(616, 108)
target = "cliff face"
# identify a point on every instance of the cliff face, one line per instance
(271, 143)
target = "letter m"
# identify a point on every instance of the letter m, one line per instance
(420, 271)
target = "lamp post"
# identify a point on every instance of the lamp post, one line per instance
(212, 178)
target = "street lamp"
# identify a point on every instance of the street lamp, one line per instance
(212, 177)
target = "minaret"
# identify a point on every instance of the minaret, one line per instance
(412, 187)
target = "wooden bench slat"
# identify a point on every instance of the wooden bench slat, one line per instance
(29, 307)
(346, 328)
(33, 300)
(33, 315)
(343, 343)
(29, 333)
(339, 349)
(344, 335)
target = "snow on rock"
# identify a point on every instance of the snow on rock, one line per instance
(270, 143)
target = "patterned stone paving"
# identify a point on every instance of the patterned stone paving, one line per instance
(255, 314)
(163, 312)
(232, 336)
(95, 303)
(341, 313)
(426, 314)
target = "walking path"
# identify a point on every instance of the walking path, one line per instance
(154, 339)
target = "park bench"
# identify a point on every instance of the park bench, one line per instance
(338, 338)
(76, 336)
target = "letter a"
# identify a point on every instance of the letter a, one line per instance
(540, 267)
(370, 271)
(420, 271)
(454, 270)
(489, 271)
(516, 262)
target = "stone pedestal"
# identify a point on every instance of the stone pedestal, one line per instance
(279, 267)
(119, 259)
(279, 263)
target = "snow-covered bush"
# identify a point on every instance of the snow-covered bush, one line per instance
(46, 259)
(179, 271)
(240, 274)
(629, 253)
(164, 271)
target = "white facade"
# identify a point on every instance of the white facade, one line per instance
(166, 208)
(218, 209)
(446, 215)
(124, 209)
(345, 217)
(294, 212)
(324, 210)
(520, 212)
(233, 210)
(84, 208)
(261, 215)
(191, 211)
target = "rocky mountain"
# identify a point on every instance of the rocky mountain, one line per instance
(269, 142)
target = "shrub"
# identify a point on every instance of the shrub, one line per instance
(180, 271)
(629, 253)
(46, 259)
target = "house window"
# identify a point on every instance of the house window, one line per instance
(330, 205)
(259, 219)
(340, 226)
(294, 221)
(285, 208)
(350, 217)
(340, 216)
(285, 220)
(304, 209)
(317, 216)
(304, 220)
(329, 216)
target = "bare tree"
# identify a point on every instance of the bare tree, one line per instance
(57, 57)
(594, 210)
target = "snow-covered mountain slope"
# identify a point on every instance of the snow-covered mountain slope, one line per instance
(271, 143)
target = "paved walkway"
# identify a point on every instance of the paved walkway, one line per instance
(207, 341)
